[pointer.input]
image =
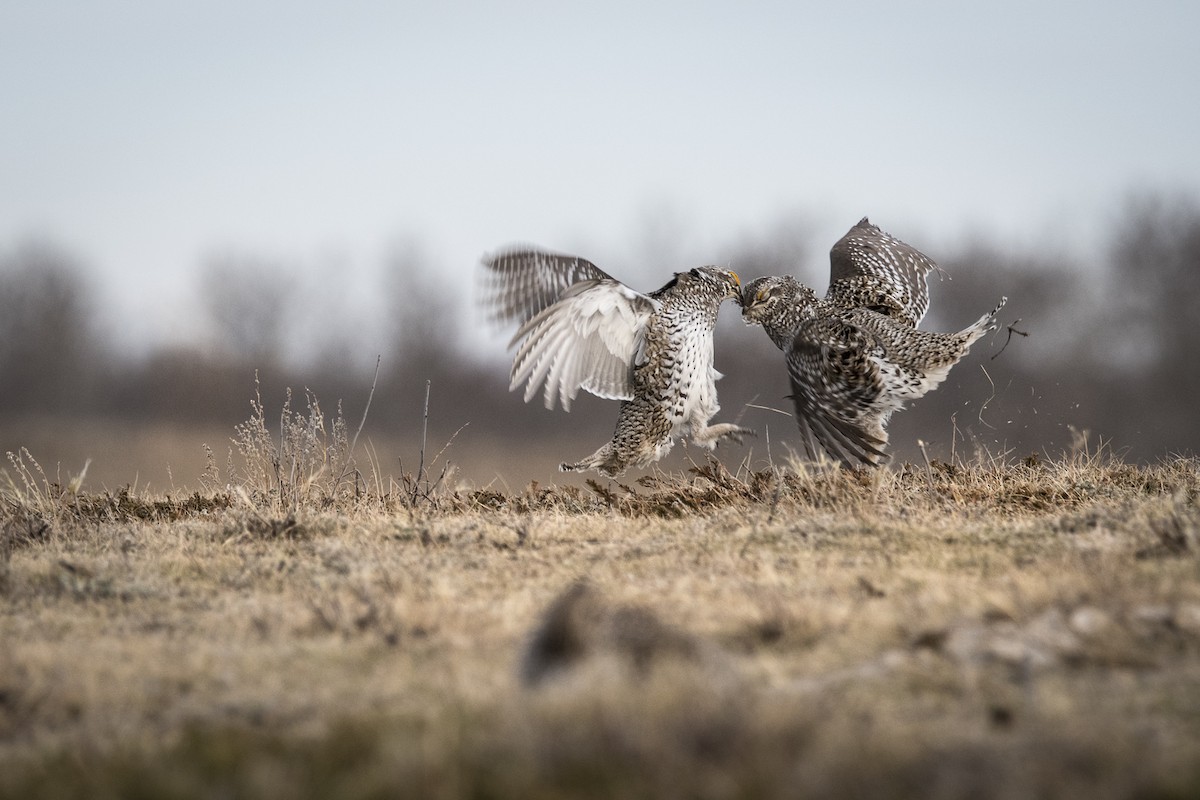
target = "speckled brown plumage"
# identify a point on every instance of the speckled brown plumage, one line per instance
(856, 356)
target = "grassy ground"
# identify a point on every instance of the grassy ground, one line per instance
(304, 627)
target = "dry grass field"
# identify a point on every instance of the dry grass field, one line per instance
(305, 627)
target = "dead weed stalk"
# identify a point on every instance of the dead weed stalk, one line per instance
(305, 465)
(420, 488)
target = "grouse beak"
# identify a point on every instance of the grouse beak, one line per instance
(735, 294)
(749, 304)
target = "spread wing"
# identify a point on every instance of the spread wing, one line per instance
(521, 282)
(870, 268)
(589, 339)
(835, 381)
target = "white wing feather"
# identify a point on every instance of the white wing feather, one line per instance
(587, 340)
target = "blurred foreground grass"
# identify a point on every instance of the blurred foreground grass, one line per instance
(305, 627)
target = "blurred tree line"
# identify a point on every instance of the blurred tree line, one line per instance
(1113, 347)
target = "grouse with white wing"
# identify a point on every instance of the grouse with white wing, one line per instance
(580, 328)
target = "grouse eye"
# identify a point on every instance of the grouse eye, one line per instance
(762, 294)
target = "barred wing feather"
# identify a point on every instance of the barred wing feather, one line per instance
(870, 268)
(589, 339)
(521, 282)
(835, 382)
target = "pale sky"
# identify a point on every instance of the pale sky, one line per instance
(142, 136)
